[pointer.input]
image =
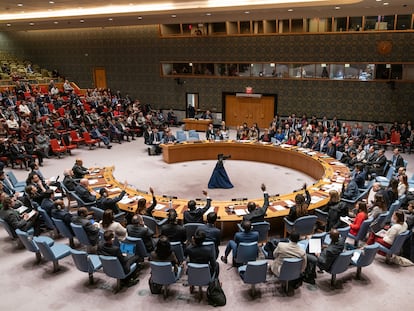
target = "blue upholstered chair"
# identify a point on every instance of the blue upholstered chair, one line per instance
(246, 252)
(198, 275)
(193, 135)
(362, 232)
(340, 265)
(177, 248)
(291, 270)
(263, 228)
(81, 235)
(30, 245)
(253, 273)
(162, 273)
(47, 220)
(87, 263)
(366, 257)
(181, 136)
(303, 225)
(64, 230)
(140, 248)
(113, 268)
(396, 246)
(393, 207)
(19, 186)
(8, 229)
(322, 217)
(154, 224)
(53, 252)
(190, 229)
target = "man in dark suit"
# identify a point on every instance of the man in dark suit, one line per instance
(137, 229)
(83, 192)
(91, 229)
(199, 253)
(68, 180)
(104, 202)
(257, 214)
(212, 233)
(397, 160)
(107, 248)
(194, 214)
(246, 236)
(379, 163)
(172, 230)
(49, 203)
(350, 189)
(79, 171)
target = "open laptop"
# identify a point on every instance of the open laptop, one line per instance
(127, 248)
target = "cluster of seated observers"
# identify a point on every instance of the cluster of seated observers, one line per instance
(30, 118)
(39, 192)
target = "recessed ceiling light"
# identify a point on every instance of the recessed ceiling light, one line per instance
(337, 8)
(56, 23)
(110, 19)
(208, 14)
(173, 16)
(247, 12)
(31, 24)
(385, 3)
(8, 25)
(139, 17)
(52, 2)
(378, 0)
(290, 10)
(20, 4)
(82, 21)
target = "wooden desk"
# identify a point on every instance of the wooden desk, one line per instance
(198, 125)
(327, 171)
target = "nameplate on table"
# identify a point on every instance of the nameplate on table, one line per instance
(93, 181)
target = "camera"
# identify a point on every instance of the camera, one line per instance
(222, 157)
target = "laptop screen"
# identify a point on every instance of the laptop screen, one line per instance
(127, 248)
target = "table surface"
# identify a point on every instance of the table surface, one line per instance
(328, 172)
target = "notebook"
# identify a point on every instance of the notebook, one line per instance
(127, 248)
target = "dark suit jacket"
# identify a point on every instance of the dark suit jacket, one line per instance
(351, 192)
(47, 205)
(397, 162)
(197, 214)
(246, 237)
(110, 203)
(202, 254)
(144, 233)
(259, 213)
(79, 171)
(212, 234)
(13, 219)
(84, 194)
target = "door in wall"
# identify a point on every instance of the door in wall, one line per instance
(99, 75)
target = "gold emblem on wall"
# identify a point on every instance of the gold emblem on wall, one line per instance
(384, 47)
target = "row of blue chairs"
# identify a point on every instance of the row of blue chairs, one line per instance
(181, 136)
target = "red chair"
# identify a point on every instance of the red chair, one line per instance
(75, 138)
(395, 139)
(89, 141)
(61, 111)
(56, 148)
(69, 147)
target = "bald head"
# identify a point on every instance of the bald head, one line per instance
(84, 182)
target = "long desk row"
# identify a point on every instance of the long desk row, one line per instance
(328, 172)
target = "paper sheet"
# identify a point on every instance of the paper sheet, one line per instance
(315, 246)
(240, 212)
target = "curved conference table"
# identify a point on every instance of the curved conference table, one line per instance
(328, 173)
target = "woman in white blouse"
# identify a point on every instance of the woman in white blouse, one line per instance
(108, 223)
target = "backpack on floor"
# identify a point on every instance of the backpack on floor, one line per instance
(215, 294)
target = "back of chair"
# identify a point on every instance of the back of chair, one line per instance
(342, 262)
(256, 272)
(181, 136)
(80, 258)
(112, 267)
(12, 177)
(363, 230)
(263, 228)
(393, 207)
(97, 213)
(62, 228)
(54, 143)
(162, 273)
(178, 250)
(246, 252)
(190, 229)
(46, 218)
(80, 234)
(305, 225)
(198, 274)
(399, 241)
(28, 243)
(8, 229)
(367, 256)
(291, 269)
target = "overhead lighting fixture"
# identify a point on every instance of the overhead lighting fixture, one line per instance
(31, 24)
(208, 14)
(139, 17)
(290, 10)
(110, 19)
(272, 64)
(246, 12)
(385, 3)
(173, 15)
(8, 25)
(82, 21)
(52, 2)
(347, 65)
(378, 0)
(20, 4)
(56, 22)
(337, 8)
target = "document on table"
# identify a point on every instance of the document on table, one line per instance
(315, 246)
(279, 207)
(211, 209)
(116, 189)
(240, 212)
(289, 203)
(346, 219)
(126, 200)
(159, 207)
(93, 181)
